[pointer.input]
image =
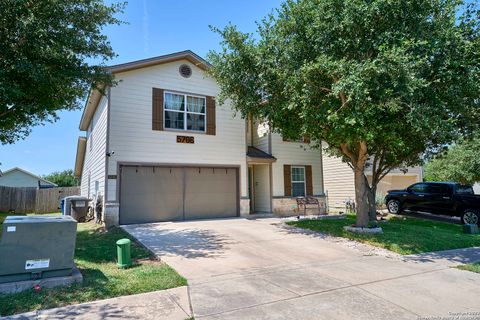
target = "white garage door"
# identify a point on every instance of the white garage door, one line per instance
(154, 194)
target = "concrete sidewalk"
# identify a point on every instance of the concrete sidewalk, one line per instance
(260, 269)
(171, 304)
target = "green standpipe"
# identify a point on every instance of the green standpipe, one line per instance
(123, 253)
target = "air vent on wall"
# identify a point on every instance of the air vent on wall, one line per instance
(185, 71)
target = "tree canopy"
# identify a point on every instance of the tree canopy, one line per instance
(63, 178)
(386, 79)
(44, 48)
(460, 163)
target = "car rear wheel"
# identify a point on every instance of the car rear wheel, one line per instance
(394, 206)
(471, 217)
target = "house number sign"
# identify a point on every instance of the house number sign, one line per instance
(185, 139)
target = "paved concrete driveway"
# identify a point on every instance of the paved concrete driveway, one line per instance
(259, 269)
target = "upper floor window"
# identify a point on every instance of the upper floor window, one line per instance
(184, 112)
(298, 182)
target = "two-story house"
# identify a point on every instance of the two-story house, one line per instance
(158, 147)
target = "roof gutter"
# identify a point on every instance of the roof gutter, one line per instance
(80, 158)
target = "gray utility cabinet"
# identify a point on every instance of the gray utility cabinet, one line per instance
(37, 247)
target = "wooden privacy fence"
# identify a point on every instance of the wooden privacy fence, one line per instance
(48, 199)
(33, 200)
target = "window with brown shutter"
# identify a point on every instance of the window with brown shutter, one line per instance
(308, 178)
(211, 116)
(157, 109)
(287, 180)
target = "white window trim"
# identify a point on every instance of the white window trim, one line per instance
(185, 112)
(304, 179)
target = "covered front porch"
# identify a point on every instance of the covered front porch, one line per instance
(260, 180)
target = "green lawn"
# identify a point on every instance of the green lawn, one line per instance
(95, 256)
(400, 234)
(474, 267)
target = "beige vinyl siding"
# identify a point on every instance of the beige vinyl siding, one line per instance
(260, 136)
(132, 137)
(95, 157)
(338, 181)
(395, 182)
(410, 171)
(296, 154)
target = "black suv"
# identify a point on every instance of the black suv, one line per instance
(446, 198)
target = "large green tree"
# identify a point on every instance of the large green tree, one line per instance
(376, 79)
(63, 178)
(460, 163)
(44, 47)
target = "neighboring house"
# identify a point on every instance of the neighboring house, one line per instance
(339, 181)
(17, 177)
(160, 148)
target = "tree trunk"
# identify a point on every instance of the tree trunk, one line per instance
(372, 212)
(361, 198)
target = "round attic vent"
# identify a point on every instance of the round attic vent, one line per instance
(185, 71)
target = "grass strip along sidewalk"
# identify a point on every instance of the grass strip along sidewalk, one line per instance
(403, 235)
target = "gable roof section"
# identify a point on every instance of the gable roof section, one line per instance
(95, 95)
(28, 173)
(182, 55)
(80, 158)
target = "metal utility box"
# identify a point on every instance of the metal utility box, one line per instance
(37, 247)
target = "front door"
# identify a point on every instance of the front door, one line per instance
(261, 188)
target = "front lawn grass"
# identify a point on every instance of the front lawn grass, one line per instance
(474, 267)
(95, 256)
(403, 235)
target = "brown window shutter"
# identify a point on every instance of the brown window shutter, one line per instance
(306, 139)
(211, 116)
(157, 109)
(308, 178)
(287, 179)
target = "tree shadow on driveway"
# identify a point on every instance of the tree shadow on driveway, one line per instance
(454, 257)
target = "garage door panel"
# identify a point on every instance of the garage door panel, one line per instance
(210, 193)
(151, 194)
(154, 194)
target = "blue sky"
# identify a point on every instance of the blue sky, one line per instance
(154, 28)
